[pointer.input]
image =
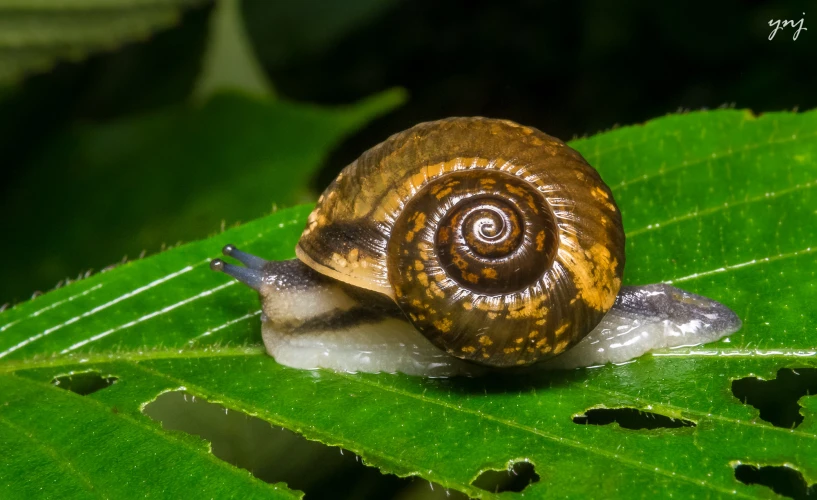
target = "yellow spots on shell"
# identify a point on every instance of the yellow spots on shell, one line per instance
(444, 189)
(522, 193)
(435, 290)
(444, 325)
(531, 308)
(533, 334)
(521, 362)
(419, 219)
(489, 273)
(467, 306)
(485, 340)
(561, 346)
(458, 261)
(423, 279)
(540, 241)
(601, 195)
(541, 343)
(418, 266)
(510, 350)
(423, 248)
(593, 272)
(444, 235)
(541, 322)
(469, 349)
(470, 277)
(487, 183)
(562, 328)
(492, 315)
(518, 191)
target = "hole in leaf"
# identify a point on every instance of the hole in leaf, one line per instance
(515, 478)
(275, 455)
(84, 383)
(782, 480)
(630, 418)
(777, 398)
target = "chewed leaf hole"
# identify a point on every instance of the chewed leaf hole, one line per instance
(781, 479)
(83, 383)
(515, 478)
(630, 418)
(777, 399)
(278, 455)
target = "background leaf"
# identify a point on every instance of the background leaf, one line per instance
(35, 34)
(720, 203)
(229, 61)
(177, 174)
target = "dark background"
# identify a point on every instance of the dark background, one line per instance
(568, 68)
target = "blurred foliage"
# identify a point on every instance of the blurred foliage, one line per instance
(230, 61)
(35, 34)
(142, 182)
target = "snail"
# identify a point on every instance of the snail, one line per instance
(461, 246)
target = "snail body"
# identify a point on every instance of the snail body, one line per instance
(462, 245)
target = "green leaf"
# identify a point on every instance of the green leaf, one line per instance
(35, 34)
(173, 175)
(721, 203)
(230, 62)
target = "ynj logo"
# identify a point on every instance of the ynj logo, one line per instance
(779, 24)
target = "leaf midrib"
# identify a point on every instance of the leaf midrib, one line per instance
(258, 350)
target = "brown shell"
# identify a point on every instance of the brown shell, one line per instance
(499, 242)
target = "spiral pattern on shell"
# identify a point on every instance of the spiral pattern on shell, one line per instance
(499, 243)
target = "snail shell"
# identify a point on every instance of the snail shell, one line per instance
(499, 242)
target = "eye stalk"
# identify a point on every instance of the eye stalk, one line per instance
(252, 275)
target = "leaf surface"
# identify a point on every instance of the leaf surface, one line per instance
(720, 203)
